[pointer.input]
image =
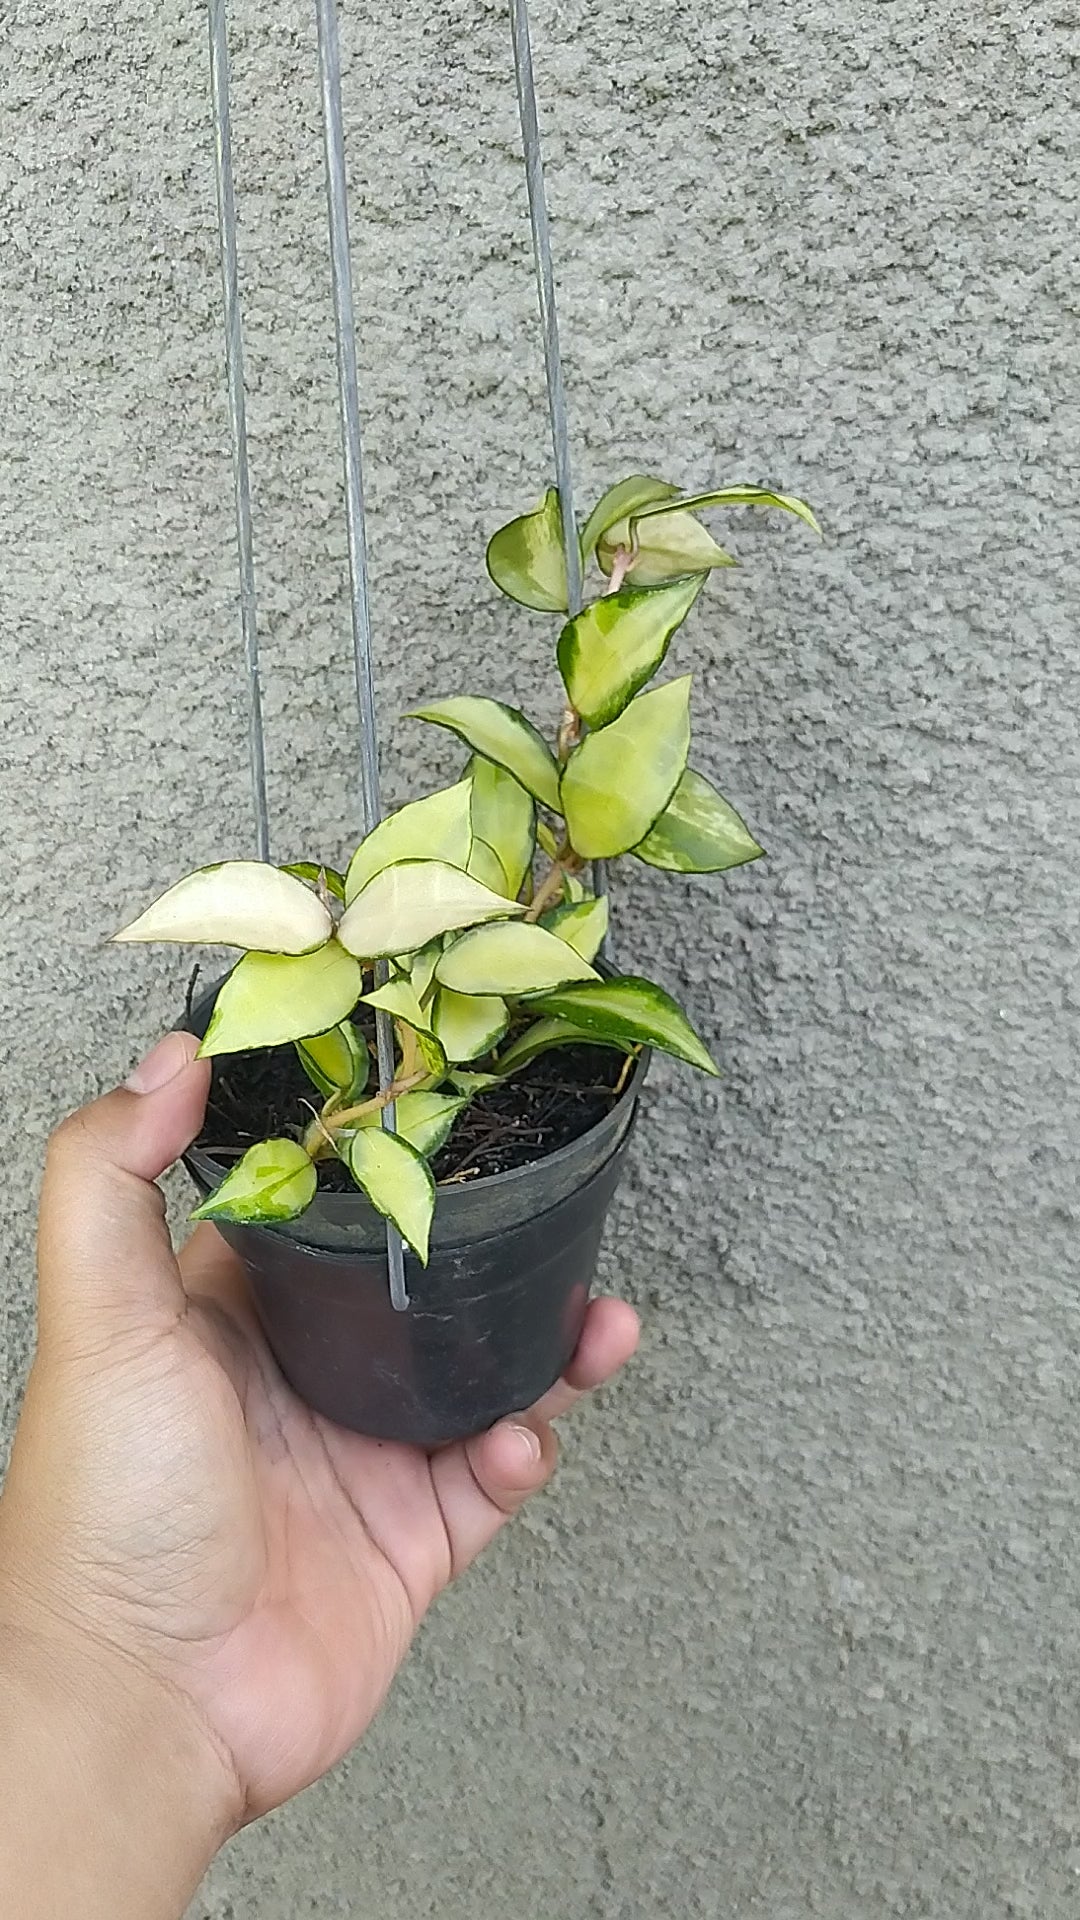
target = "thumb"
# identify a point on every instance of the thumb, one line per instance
(105, 1260)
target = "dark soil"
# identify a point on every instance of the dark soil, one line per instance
(267, 1095)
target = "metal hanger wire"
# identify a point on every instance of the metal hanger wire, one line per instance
(326, 15)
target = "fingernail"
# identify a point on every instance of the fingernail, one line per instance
(161, 1065)
(528, 1448)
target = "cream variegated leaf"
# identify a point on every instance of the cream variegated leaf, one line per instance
(397, 1181)
(527, 558)
(240, 903)
(510, 961)
(615, 645)
(439, 827)
(698, 832)
(274, 1181)
(409, 904)
(617, 783)
(583, 926)
(631, 1012)
(272, 998)
(468, 1025)
(502, 734)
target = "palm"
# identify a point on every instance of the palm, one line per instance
(284, 1564)
(264, 1563)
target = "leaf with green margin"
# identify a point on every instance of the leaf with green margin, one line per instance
(398, 999)
(439, 827)
(698, 832)
(485, 866)
(424, 1119)
(473, 1083)
(638, 490)
(575, 890)
(468, 1024)
(311, 872)
(337, 1062)
(583, 926)
(616, 644)
(527, 558)
(410, 903)
(545, 1034)
(530, 961)
(274, 1181)
(617, 783)
(503, 820)
(633, 1012)
(675, 545)
(422, 970)
(502, 734)
(397, 1181)
(238, 903)
(665, 539)
(272, 998)
(733, 497)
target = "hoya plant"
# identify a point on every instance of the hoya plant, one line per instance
(467, 917)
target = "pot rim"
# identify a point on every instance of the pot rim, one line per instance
(505, 1180)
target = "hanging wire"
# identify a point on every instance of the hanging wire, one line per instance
(540, 223)
(545, 285)
(349, 388)
(234, 364)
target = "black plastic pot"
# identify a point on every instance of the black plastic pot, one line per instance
(493, 1318)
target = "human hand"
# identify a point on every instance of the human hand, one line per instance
(178, 1521)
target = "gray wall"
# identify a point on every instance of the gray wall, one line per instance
(797, 1634)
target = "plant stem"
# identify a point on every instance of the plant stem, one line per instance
(566, 861)
(326, 1126)
(620, 568)
(569, 734)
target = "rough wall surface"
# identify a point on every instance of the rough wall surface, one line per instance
(798, 1634)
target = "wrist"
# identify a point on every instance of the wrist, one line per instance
(116, 1796)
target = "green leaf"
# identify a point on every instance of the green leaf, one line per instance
(408, 904)
(663, 549)
(510, 961)
(698, 832)
(616, 645)
(503, 822)
(735, 497)
(422, 971)
(618, 781)
(485, 866)
(468, 1025)
(436, 828)
(274, 1181)
(337, 1062)
(241, 903)
(272, 998)
(640, 490)
(632, 1012)
(310, 871)
(501, 734)
(398, 999)
(424, 1119)
(527, 559)
(545, 1034)
(473, 1083)
(583, 926)
(397, 1181)
(575, 890)
(546, 840)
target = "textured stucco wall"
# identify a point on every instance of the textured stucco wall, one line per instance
(799, 1633)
